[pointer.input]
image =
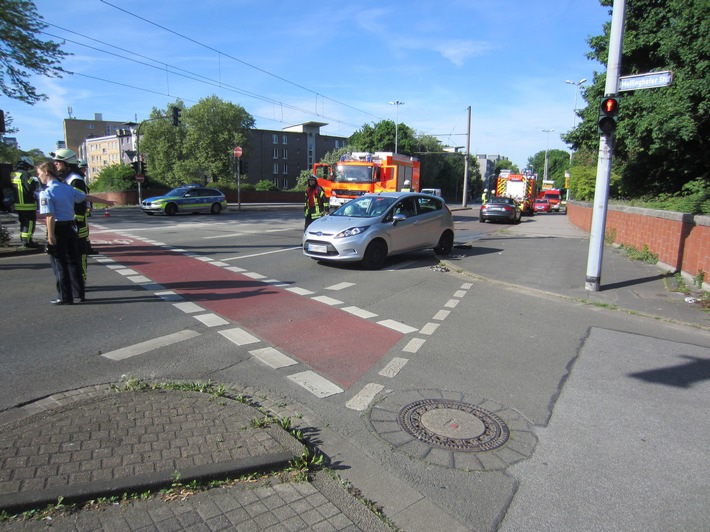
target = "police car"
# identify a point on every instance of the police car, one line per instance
(186, 199)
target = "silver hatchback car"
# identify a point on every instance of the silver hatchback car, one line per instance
(374, 226)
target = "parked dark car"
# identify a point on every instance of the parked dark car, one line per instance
(500, 209)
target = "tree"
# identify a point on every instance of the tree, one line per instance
(663, 135)
(557, 165)
(114, 177)
(200, 148)
(505, 164)
(381, 137)
(22, 53)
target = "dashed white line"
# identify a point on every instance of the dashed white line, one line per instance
(397, 326)
(339, 286)
(394, 367)
(429, 329)
(273, 357)
(314, 383)
(364, 397)
(155, 343)
(169, 295)
(451, 303)
(239, 336)
(360, 312)
(211, 320)
(188, 307)
(414, 345)
(300, 291)
(254, 275)
(442, 315)
(460, 293)
(327, 300)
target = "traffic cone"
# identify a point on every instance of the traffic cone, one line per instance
(106, 214)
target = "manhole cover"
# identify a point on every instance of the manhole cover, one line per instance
(453, 425)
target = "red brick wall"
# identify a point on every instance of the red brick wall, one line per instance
(682, 241)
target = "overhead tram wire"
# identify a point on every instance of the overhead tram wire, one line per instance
(239, 60)
(179, 72)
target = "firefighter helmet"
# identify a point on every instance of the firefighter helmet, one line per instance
(83, 163)
(25, 163)
(407, 183)
(65, 155)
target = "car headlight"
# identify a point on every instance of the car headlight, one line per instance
(352, 231)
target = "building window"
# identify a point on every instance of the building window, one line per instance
(284, 139)
(276, 168)
(285, 169)
(284, 153)
(274, 138)
(276, 153)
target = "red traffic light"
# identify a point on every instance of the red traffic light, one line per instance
(610, 106)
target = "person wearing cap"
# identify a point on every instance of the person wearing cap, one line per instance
(56, 202)
(66, 163)
(25, 189)
(316, 201)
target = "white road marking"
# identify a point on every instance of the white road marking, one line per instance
(273, 357)
(451, 303)
(327, 300)
(429, 328)
(276, 282)
(261, 254)
(414, 345)
(155, 343)
(169, 295)
(460, 293)
(188, 307)
(211, 320)
(315, 384)
(360, 312)
(339, 286)
(364, 397)
(441, 315)
(466, 286)
(127, 272)
(394, 367)
(240, 233)
(220, 263)
(139, 279)
(299, 291)
(254, 275)
(115, 266)
(204, 259)
(235, 269)
(239, 336)
(397, 326)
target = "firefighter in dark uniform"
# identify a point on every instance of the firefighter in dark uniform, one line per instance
(316, 201)
(25, 189)
(66, 164)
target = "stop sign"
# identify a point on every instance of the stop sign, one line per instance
(238, 151)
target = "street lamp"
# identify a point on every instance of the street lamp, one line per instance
(576, 92)
(396, 103)
(547, 145)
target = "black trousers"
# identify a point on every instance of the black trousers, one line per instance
(28, 221)
(65, 259)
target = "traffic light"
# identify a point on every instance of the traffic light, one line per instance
(135, 166)
(176, 115)
(608, 115)
(144, 168)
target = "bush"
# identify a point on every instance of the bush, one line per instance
(266, 186)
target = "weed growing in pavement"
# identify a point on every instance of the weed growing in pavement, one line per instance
(610, 237)
(699, 279)
(4, 237)
(375, 508)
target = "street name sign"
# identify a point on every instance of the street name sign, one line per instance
(646, 81)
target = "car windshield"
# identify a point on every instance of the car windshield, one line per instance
(176, 192)
(541, 201)
(365, 207)
(499, 199)
(353, 174)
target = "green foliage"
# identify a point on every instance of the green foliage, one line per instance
(266, 186)
(582, 182)
(114, 177)
(302, 181)
(200, 149)
(381, 137)
(644, 254)
(663, 137)
(694, 198)
(23, 54)
(557, 165)
(505, 164)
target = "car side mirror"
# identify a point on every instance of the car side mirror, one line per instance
(398, 218)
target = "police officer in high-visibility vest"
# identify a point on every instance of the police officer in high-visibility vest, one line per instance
(26, 190)
(66, 163)
(316, 201)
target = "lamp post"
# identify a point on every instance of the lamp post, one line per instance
(547, 145)
(396, 104)
(576, 93)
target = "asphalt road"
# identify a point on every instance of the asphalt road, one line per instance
(233, 300)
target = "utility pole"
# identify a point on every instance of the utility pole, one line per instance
(606, 151)
(464, 201)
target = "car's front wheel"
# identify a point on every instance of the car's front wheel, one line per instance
(171, 209)
(446, 244)
(375, 255)
(216, 208)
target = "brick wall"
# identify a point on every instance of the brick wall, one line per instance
(681, 241)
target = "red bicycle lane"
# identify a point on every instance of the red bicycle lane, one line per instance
(336, 344)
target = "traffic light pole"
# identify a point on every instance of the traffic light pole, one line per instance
(606, 152)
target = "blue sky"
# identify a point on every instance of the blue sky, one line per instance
(337, 62)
